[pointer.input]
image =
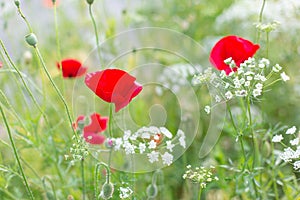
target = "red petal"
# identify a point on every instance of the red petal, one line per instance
(232, 46)
(72, 68)
(94, 138)
(113, 86)
(98, 124)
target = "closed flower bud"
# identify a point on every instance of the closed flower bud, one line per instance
(90, 1)
(152, 191)
(107, 191)
(31, 39)
(109, 143)
(27, 56)
(17, 3)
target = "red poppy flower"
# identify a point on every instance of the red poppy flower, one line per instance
(1, 65)
(91, 132)
(72, 68)
(113, 86)
(49, 3)
(232, 46)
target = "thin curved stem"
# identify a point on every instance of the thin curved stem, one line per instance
(95, 30)
(83, 179)
(260, 19)
(16, 154)
(51, 183)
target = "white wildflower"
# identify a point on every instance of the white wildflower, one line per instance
(259, 86)
(125, 192)
(207, 109)
(284, 77)
(142, 147)
(277, 68)
(228, 95)
(167, 158)
(297, 165)
(277, 138)
(153, 156)
(228, 60)
(128, 147)
(182, 142)
(247, 83)
(117, 144)
(170, 146)
(166, 132)
(294, 142)
(288, 155)
(291, 130)
(256, 92)
(241, 93)
(152, 144)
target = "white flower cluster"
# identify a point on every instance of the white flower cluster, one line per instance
(149, 140)
(174, 77)
(200, 175)
(249, 79)
(78, 150)
(291, 152)
(125, 192)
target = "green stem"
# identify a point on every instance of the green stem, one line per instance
(199, 192)
(274, 173)
(83, 179)
(97, 174)
(267, 48)
(16, 153)
(110, 120)
(56, 89)
(237, 134)
(96, 32)
(254, 143)
(58, 48)
(260, 19)
(23, 16)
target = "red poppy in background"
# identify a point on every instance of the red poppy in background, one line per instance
(91, 132)
(1, 65)
(113, 86)
(72, 68)
(239, 49)
(49, 3)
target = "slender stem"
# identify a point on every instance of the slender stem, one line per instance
(254, 143)
(274, 173)
(267, 48)
(110, 120)
(237, 133)
(260, 18)
(23, 16)
(58, 48)
(56, 88)
(83, 179)
(96, 32)
(199, 192)
(16, 153)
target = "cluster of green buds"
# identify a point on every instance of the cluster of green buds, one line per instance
(200, 175)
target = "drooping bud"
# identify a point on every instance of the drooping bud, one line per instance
(106, 191)
(31, 39)
(90, 1)
(17, 3)
(152, 191)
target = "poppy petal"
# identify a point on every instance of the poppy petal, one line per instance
(72, 68)
(93, 138)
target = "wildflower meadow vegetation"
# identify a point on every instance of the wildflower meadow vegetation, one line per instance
(136, 99)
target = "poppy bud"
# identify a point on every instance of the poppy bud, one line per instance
(17, 3)
(109, 143)
(31, 39)
(152, 191)
(27, 56)
(53, 1)
(90, 1)
(107, 191)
